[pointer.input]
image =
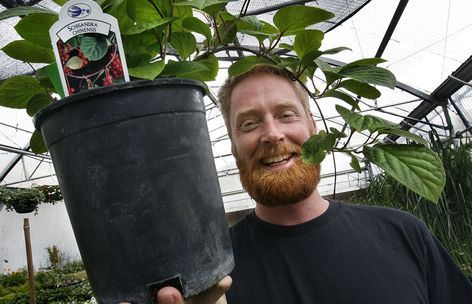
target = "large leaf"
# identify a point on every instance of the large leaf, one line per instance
(118, 10)
(343, 96)
(360, 88)
(148, 70)
(24, 11)
(29, 52)
(307, 42)
(174, 68)
(140, 27)
(365, 61)
(55, 78)
(294, 18)
(184, 43)
(211, 7)
(37, 102)
(415, 166)
(196, 25)
(245, 64)
(94, 48)
(141, 11)
(315, 148)
(252, 26)
(361, 122)
(211, 63)
(37, 144)
(35, 28)
(370, 74)
(15, 92)
(144, 42)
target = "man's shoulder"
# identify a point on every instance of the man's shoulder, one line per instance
(380, 214)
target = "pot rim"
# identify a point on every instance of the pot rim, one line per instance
(39, 117)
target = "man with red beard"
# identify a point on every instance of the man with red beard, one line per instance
(297, 247)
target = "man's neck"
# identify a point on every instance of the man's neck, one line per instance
(298, 213)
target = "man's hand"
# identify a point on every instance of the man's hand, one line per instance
(214, 295)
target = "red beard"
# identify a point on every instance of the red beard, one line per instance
(279, 188)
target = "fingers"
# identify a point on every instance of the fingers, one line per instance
(169, 295)
(213, 295)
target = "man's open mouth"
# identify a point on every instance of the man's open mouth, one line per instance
(274, 160)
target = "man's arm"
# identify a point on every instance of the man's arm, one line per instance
(214, 295)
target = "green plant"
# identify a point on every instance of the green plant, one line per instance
(67, 284)
(52, 193)
(160, 40)
(21, 199)
(451, 219)
(56, 257)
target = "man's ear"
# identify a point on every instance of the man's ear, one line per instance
(312, 123)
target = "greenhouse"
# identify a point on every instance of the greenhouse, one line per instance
(108, 160)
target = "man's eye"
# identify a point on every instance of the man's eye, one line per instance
(287, 116)
(248, 125)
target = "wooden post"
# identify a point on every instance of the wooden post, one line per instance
(29, 256)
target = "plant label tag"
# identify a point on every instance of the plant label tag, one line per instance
(88, 48)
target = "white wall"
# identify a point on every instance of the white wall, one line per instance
(51, 226)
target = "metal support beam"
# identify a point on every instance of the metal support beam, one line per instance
(439, 96)
(391, 27)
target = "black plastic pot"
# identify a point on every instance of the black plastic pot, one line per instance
(136, 170)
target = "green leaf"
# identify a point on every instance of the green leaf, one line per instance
(354, 162)
(211, 7)
(307, 42)
(294, 18)
(370, 74)
(360, 88)
(53, 74)
(178, 68)
(336, 50)
(144, 42)
(148, 70)
(252, 26)
(337, 133)
(141, 11)
(15, 92)
(211, 63)
(181, 13)
(243, 65)
(405, 134)
(196, 25)
(343, 96)
(60, 2)
(118, 10)
(36, 103)
(361, 122)
(184, 43)
(227, 33)
(315, 148)
(24, 11)
(415, 166)
(94, 48)
(365, 61)
(37, 144)
(140, 27)
(29, 52)
(35, 28)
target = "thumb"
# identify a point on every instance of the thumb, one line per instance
(169, 295)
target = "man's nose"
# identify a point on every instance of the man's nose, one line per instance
(272, 133)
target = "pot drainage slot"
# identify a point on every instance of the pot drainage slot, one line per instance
(155, 287)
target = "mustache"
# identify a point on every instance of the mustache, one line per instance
(272, 150)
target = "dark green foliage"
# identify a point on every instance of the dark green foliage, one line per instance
(450, 219)
(68, 284)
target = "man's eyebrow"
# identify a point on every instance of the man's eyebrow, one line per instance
(245, 111)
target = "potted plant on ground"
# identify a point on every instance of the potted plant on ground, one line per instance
(160, 42)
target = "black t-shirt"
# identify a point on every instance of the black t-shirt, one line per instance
(350, 254)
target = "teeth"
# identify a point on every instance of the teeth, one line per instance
(275, 159)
